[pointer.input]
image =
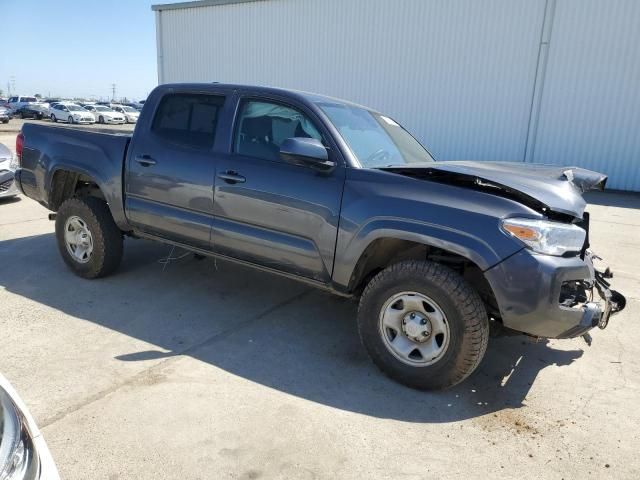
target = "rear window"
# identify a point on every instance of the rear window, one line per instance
(188, 119)
(29, 99)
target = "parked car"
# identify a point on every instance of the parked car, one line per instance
(33, 110)
(8, 165)
(131, 114)
(105, 114)
(136, 105)
(5, 115)
(24, 454)
(18, 101)
(342, 198)
(70, 113)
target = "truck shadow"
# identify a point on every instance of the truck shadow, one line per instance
(269, 330)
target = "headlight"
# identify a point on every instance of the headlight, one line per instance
(23, 452)
(544, 236)
(16, 450)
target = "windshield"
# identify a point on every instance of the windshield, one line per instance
(75, 108)
(29, 99)
(129, 109)
(100, 108)
(377, 141)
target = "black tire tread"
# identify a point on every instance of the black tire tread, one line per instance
(469, 303)
(107, 237)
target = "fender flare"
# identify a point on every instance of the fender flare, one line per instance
(462, 243)
(111, 193)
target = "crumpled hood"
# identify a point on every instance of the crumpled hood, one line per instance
(552, 187)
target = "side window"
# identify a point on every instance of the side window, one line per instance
(263, 126)
(188, 119)
(13, 99)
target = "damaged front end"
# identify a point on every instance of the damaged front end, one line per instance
(581, 295)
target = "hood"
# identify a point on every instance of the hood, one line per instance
(541, 187)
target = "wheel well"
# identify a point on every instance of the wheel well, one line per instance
(386, 251)
(66, 184)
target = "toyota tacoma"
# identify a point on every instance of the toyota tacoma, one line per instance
(343, 198)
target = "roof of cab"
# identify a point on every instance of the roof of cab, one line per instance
(258, 89)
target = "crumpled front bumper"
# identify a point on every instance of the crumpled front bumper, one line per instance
(529, 287)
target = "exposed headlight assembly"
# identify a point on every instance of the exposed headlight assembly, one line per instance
(544, 236)
(23, 453)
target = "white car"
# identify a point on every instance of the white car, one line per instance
(104, 114)
(8, 166)
(70, 113)
(130, 113)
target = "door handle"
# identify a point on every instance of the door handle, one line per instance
(145, 160)
(232, 177)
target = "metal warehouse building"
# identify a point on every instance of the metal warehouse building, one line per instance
(546, 81)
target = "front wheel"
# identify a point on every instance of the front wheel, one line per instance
(70, 119)
(53, 118)
(88, 239)
(100, 119)
(423, 325)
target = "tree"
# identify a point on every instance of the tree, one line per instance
(37, 95)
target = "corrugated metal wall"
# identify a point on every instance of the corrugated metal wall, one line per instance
(590, 111)
(460, 74)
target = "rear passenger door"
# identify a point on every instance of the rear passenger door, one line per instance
(170, 169)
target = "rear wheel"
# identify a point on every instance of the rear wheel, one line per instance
(423, 325)
(88, 239)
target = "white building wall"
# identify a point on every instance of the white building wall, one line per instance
(460, 74)
(590, 110)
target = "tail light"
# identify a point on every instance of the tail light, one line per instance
(19, 146)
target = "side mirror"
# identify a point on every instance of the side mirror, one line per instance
(307, 152)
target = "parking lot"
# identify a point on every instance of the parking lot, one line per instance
(199, 369)
(15, 124)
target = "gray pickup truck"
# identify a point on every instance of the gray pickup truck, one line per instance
(340, 197)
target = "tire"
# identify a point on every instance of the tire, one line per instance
(70, 120)
(22, 115)
(106, 238)
(53, 118)
(464, 317)
(100, 119)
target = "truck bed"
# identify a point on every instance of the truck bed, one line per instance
(49, 149)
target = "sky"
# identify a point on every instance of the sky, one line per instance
(78, 48)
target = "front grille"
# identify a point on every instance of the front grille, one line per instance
(4, 186)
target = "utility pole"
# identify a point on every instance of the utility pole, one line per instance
(113, 92)
(13, 83)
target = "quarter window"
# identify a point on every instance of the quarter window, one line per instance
(263, 126)
(188, 119)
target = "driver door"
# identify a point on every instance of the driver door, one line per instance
(267, 211)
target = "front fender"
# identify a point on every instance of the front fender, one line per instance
(462, 243)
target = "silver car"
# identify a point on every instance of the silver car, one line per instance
(8, 165)
(24, 455)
